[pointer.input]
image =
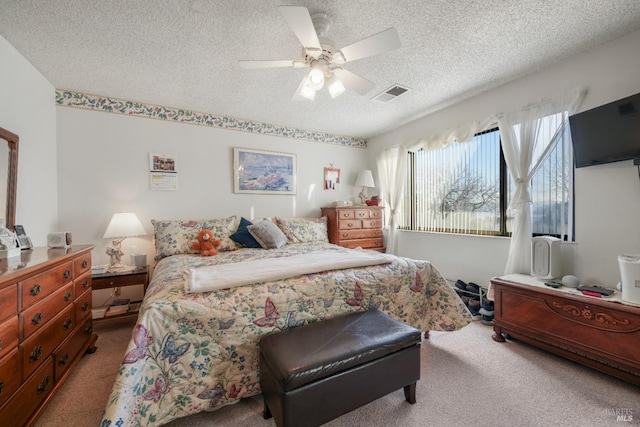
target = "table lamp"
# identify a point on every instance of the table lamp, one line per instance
(365, 179)
(121, 226)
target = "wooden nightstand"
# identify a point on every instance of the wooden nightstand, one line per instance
(118, 279)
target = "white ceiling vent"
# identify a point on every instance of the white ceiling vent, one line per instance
(392, 93)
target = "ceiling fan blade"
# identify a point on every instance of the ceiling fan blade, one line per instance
(300, 22)
(353, 81)
(381, 42)
(267, 64)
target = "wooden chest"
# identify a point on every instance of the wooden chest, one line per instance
(602, 334)
(353, 227)
(45, 327)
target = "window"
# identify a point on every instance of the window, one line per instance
(466, 187)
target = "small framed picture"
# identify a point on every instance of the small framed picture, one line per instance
(264, 172)
(331, 178)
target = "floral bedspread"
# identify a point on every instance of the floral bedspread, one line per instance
(197, 352)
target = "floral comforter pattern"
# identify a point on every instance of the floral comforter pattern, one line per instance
(196, 352)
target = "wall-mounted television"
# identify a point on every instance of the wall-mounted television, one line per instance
(605, 134)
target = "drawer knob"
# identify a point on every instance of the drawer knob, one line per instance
(1, 387)
(85, 283)
(66, 274)
(36, 319)
(36, 353)
(0, 345)
(361, 214)
(85, 264)
(372, 223)
(88, 329)
(85, 306)
(350, 224)
(35, 290)
(63, 359)
(43, 385)
(345, 235)
(347, 214)
(67, 296)
(67, 323)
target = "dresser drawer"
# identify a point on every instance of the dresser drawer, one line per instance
(82, 283)
(350, 224)
(35, 289)
(24, 402)
(363, 243)
(8, 335)
(36, 316)
(346, 214)
(83, 305)
(361, 213)
(65, 354)
(8, 301)
(35, 349)
(81, 265)
(9, 375)
(376, 214)
(372, 223)
(359, 234)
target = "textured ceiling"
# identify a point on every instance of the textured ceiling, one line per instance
(184, 53)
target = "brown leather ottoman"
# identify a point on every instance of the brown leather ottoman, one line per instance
(314, 373)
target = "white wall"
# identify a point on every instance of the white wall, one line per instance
(28, 110)
(103, 162)
(607, 196)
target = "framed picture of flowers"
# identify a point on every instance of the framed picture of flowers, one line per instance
(264, 172)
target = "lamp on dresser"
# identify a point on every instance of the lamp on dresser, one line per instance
(364, 180)
(121, 226)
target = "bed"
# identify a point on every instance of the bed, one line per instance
(198, 351)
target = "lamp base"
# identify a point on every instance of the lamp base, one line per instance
(363, 196)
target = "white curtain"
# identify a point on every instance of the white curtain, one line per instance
(392, 165)
(526, 140)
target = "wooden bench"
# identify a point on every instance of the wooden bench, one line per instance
(314, 373)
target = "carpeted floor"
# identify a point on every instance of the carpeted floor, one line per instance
(467, 379)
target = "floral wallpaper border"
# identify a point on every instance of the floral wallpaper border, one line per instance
(68, 98)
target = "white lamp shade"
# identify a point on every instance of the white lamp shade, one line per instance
(124, 225)
(365, 179)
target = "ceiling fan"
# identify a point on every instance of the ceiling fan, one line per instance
(321, 56)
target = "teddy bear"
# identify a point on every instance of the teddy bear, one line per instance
(206, 243)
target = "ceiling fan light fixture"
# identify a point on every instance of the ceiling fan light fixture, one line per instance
(335, 86)
(308, 92)
(316, 75)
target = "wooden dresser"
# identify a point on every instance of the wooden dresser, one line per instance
(353, 227)
(45, 327)
(602, 334)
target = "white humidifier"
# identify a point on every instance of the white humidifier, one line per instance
(630, 275)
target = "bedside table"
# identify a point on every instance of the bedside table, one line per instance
(119, 279)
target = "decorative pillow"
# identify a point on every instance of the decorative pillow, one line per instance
(222, 229)
(174, 237)
(302, 230)
(268, 234)
(242, 235)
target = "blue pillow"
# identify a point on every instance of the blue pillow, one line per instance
(243, 237)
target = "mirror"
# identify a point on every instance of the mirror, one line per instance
(9, 163)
